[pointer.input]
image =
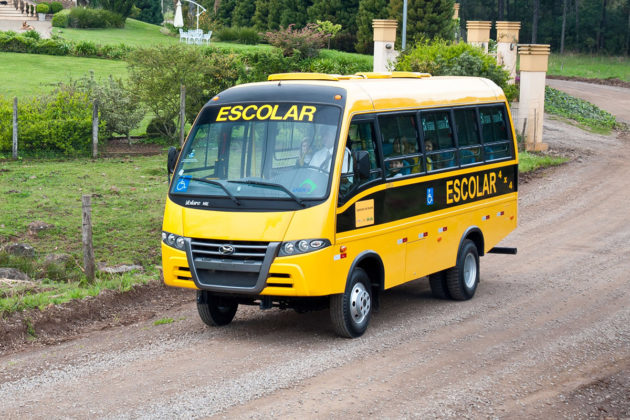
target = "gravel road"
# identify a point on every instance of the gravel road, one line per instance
(546, 336)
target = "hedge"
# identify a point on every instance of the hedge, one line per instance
(60, 123)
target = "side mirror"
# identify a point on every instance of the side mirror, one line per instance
(171, 161)
(362, 168)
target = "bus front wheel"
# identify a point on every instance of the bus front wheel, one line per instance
(213, 310)
(350, 311)
(462, 279)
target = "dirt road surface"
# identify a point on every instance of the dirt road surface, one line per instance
(546, 336)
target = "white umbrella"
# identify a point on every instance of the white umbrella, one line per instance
(179, 20)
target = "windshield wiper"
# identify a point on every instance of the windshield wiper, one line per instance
(271, 184)
(213, 182)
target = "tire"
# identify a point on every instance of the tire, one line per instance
(350, 311)
(439, 289)
(462, 280)
(215, 311)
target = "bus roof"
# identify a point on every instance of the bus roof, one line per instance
(368, 91)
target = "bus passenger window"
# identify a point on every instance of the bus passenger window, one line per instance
(360, 137)
(400, 145)
(496, 137)
(438, 137)
(468, 136)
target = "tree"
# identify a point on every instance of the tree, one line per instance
(343, 12)
(260, 20)
(426, 18)
(150, 11)
(369, 10)
(119, 107)
(564, 25)
(224, 12)
(122, 7)
(243, 13)
(535, 20)
(156, 74)
(294, 12)
(328, 28)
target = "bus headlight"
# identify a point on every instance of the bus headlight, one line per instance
(302, 246)
(175, 241)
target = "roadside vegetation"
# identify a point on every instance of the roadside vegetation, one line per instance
(529, 162)
(127, 205)
(587, 115)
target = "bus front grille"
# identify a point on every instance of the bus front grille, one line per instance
(229, 250)
(236, 266)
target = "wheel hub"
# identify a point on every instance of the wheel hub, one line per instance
(360, 303)
(470, 271)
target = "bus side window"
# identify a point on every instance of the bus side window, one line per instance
(495, 134)
(361, 136)
(438, 140)
(400, 145)
(467, 136)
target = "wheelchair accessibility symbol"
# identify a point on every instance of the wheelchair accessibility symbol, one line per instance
(429, 196)
(182, 184)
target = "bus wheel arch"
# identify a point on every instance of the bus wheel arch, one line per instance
(350, 311)
(474, 234)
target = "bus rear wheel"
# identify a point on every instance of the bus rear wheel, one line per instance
(439, 289)
(350, 311)
(462, 280)
(213, 310)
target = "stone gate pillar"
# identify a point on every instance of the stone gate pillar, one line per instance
(384, 40)
(507, 43)
(478, 33)
(534, 59)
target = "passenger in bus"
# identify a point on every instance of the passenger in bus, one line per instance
(305, 154)
(396, 168)
(322, 158)
(428, 147)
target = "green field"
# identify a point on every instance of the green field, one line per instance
(137, 34)
(34, 74)
(590, 66)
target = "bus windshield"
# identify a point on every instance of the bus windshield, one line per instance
(261, 150)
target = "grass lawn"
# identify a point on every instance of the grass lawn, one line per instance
(590, 66)
(137, 34)
(127, 206)
(33, 74)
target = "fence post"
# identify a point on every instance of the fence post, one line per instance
(95, 129)
(182, 114)
(15, 128)
(88, 249)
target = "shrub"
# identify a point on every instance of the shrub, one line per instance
(42, 8)
(17, 43)
(53, 47)
(60, 19)
(441, 57)
(227, 34)
(55, 7)
(248, 36)
(85, 49)
(306, 41)
(60, 122)
(158, 126)
(94, 18)
(119, 107)
(32, 34)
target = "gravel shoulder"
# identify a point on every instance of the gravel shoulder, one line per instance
(546, 336)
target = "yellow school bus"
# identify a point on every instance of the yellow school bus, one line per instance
(316, 191)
